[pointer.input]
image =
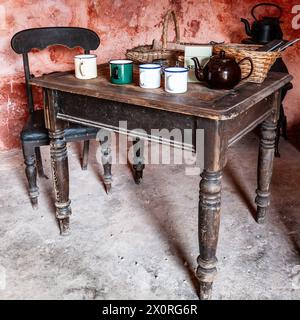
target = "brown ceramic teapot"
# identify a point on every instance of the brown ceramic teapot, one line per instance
(221, 72)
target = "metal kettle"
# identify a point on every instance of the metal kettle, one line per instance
(221, 72)
(266, 29)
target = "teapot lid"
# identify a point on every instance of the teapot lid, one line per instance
(222, 57)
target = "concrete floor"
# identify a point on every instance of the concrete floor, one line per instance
(140, 242)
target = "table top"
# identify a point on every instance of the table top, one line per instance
(198, 101)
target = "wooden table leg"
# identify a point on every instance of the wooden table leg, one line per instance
(60, 173)
(209, 221)
(107, 161)
(138, 159)
(265, 160)
(59, 160)
(210, 206)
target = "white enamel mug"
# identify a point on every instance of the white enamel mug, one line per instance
(150, 76)
(176, 79)
(85, 66)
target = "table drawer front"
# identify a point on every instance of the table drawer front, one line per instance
(104, 113)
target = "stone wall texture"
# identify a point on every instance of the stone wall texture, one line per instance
(121, 24)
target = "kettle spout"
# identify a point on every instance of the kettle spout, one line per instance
(198, 69)
(247, 27)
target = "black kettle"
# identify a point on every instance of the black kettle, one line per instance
(266, 29)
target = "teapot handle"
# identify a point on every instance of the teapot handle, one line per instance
(266, 4)
(252, 67)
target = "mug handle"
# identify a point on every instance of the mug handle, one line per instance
(142, 79)
(252, 67)
(80, 68)
(115, 73)
(169, 83)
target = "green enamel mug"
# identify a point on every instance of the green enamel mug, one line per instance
(121, 71)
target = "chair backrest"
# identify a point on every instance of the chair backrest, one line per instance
(41, 38)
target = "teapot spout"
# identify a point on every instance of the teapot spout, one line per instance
(247, 27)
(198, 69)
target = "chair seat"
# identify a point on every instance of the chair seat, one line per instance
(34, 130)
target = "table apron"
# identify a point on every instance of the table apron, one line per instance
(150, 124)
(238, 127)
(138, 121)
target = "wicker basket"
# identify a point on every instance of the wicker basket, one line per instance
(168, 51)
(262, 61)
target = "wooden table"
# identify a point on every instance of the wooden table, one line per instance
(225, 116)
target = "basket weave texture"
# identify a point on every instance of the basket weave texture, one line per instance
(148, 53)
(262, 61)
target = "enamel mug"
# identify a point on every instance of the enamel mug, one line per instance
(176, 79)
(150, 76)
(85, 66)
(121, 71)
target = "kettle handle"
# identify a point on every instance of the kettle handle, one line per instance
(252, 67)
(266, 4)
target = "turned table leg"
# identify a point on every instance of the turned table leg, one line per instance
(60, 172)
(59, 160)
(265, 167)
(138, 159)
(265, 159)
(106, 161)
(209, 221)
(215, 151)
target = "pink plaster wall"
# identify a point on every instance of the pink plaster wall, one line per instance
(121, 24)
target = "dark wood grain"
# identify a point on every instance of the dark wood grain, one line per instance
(59, 162)
(265, 158)
(215, 157)
(198, 101)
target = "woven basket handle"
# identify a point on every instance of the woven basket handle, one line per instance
(169, 15)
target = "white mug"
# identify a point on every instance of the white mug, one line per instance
(176, 79)
(85, 66)
(150, 76)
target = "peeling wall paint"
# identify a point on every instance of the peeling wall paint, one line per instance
(121, 24)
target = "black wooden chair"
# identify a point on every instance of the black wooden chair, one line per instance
(34, 133)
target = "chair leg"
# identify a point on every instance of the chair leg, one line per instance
(138, 160)
(31, 174)
(85, 156)
(39, 163)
